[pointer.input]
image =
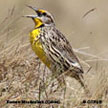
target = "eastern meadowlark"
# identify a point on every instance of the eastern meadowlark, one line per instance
(52, 47)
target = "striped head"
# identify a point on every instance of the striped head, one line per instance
(42, 18)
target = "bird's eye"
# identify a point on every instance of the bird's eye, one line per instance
(39, 14)
(44, 14)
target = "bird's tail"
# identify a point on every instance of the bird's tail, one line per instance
(80, 79)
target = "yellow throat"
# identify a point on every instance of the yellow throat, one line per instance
(36, 44)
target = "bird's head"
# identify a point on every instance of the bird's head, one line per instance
(42, 17)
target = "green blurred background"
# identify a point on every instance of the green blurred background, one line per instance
(90, 31)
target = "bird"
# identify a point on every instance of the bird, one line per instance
(52, 47)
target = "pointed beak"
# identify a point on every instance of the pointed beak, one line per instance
(30, 16)
(35, 9)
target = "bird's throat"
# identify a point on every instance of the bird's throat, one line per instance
(38, 23)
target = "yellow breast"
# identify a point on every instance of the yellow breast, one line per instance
(37, 47)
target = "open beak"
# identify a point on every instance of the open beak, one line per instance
(30, 16)
(35, 9)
